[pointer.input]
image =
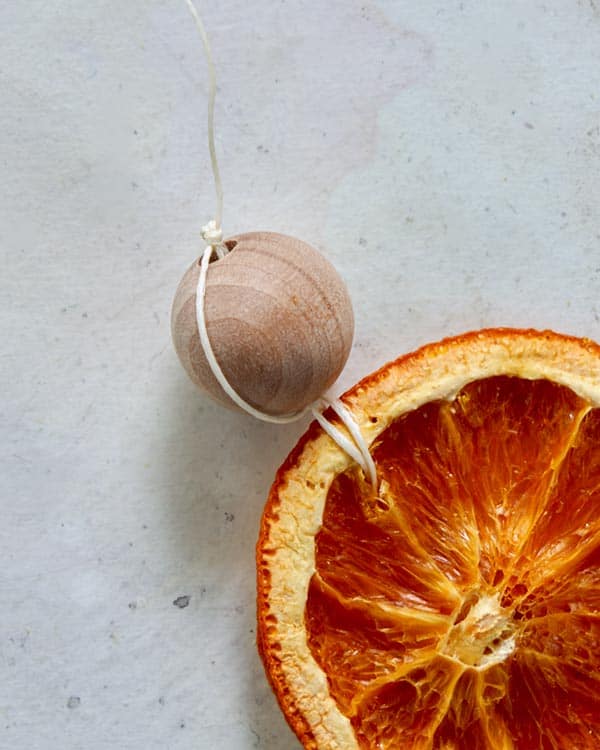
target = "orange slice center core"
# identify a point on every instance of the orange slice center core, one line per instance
(482, 634)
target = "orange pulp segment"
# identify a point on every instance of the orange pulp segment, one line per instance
(459, 607)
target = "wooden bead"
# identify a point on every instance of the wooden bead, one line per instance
(279, 319)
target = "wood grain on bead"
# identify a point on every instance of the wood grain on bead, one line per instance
(279, 319)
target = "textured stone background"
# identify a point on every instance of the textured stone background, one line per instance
(444, 155)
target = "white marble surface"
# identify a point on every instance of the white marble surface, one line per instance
(445, 155)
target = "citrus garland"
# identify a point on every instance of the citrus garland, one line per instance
(459, 606)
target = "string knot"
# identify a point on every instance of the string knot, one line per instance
(212, 234)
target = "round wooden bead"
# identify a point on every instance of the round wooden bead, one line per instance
(279, 319)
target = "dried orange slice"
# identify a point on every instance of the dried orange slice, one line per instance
(458, 606)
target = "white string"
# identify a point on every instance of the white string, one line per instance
(213, 236)
(357, 450)
(212, 90)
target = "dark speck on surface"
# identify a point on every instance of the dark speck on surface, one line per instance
(528, 125)
(161, 700)
(132, 605)
(182, 601)
(229, 517)
(73, 701)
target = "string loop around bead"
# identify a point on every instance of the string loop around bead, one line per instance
(355, 445)
(212, 360)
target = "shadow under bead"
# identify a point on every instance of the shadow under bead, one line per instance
(279, 319)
